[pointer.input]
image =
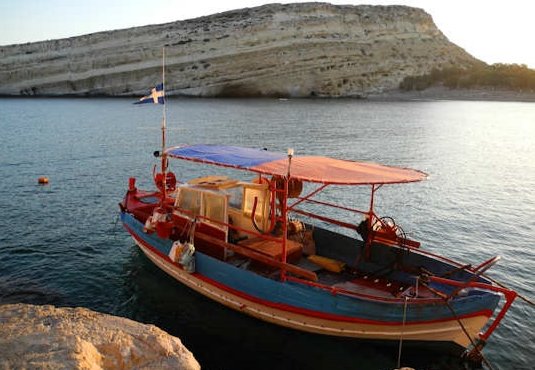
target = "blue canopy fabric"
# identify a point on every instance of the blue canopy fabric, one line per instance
(231, 156)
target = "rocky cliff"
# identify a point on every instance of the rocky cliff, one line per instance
(293, 50)
(45, 337)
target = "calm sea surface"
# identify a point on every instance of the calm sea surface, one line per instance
(61, 244)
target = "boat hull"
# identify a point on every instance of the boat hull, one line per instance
(327, 321)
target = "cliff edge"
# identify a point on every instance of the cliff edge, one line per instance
(291, 50)
(46, 337)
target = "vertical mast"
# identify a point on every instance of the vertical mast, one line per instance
(164, 125)
(164, 111)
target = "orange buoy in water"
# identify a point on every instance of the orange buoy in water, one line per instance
(43, 180)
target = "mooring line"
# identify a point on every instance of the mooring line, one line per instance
(527, 300)
(475, 347)
(402, 330)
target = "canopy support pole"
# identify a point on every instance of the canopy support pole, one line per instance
(370, 221)
(284, 215)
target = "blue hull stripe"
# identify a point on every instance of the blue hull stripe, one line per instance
(316, 299)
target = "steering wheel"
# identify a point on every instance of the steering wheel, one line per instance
(388, 224)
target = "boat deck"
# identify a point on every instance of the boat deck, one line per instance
(381, 287)
(353, 282)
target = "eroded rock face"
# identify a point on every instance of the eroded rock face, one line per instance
(46, 337)
(293, 50)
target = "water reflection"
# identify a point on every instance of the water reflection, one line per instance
(221, 338)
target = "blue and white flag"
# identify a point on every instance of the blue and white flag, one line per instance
(157, 96)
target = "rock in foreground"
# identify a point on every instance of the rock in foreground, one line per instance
(46, 337)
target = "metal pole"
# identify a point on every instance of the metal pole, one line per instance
(164, 156)
(368, 241)
(284, 214)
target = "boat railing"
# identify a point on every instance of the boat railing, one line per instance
(377, 235)
(326, 219)
(327, 204)
(300, 200)
(509, 295)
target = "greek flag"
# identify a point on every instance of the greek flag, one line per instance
(157, 96)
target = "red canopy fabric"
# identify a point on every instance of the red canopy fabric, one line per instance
(342, 172)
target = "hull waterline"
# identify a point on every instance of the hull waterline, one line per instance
(439, 331)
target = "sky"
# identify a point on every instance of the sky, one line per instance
(495, 31)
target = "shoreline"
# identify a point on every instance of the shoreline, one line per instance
(443, 93)
(429, 94)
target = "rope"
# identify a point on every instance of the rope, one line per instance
(186, 231)
(468, 266)
(527, 300)
(115, 223)
(114, 228)
(475, 347)
(191, 232)
(402, 330)
(445, 298)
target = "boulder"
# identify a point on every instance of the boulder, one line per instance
(47, 337)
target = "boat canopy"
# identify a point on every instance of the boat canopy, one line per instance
(316, 169)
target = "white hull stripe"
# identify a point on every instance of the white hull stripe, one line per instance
(439, 331)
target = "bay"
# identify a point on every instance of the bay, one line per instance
(61, 243)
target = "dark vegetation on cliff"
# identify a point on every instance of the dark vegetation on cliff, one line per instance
(499, 76)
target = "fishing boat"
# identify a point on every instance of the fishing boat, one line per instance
(257, 237)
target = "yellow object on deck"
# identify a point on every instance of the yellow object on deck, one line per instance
(214, 182)
(327, 263)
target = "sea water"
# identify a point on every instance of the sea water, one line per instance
(61, 243)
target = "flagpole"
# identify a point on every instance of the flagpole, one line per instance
(164, 156)
(164, 124)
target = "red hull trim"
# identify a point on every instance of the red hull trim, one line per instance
(297, 310)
